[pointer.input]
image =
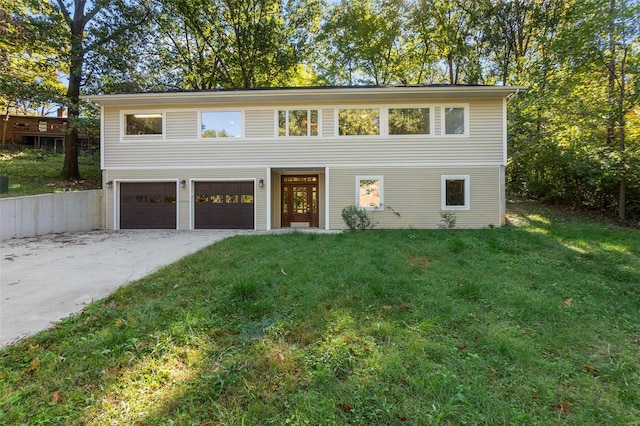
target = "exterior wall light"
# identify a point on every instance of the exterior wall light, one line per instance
(110, 184)
(261, 183)
(183, 183)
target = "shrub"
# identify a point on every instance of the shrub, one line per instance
(448, 220)
(357, 218)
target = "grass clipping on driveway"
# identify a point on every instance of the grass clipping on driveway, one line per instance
(533, 323)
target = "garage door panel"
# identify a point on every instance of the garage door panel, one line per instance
(224, 205)
(150, 205)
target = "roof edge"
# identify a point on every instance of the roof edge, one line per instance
(256, 94)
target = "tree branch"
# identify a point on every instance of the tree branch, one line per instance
(92, 13)
(115, 34)
(65, 11)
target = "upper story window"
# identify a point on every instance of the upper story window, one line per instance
(359, 122)
(42, 126)
(298, 122)
(221, 124)
(143, 124)
(455, 120)
(409, 121)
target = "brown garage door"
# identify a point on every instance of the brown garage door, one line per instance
(224, 205)
(148, 205)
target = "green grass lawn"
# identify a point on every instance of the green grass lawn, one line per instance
(34, 172)
(535, 323)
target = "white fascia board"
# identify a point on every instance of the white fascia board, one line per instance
(305, 95)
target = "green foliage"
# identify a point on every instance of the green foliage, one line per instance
(571, 137)
(357, 219)
(448, 220)
(29, 60)
(238, 44)
(532, 323)
(361, 42)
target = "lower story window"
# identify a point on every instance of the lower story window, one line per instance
(369, 192)
(455, 192)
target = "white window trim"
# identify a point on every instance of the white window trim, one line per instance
(137, 138)
(303, 108)
(242, 123)
(432, 121)
(379, 178)
(443, 124)
(443, 192)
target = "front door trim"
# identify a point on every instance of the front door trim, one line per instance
(299, 201)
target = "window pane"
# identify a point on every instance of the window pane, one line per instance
(409, 121)
(282, 123)
(222, 124)
(369, 193)
(314, 122)
(454, 121)
(455, 192)
(143, 124)
(358, 122)
(298, 120)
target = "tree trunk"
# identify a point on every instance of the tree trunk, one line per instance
(611, 125)
(71, 170)
(4, 129)
(622, 193)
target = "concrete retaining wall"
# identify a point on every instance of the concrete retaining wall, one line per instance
(50, 213)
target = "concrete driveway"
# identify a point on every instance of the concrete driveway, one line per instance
(46, 278)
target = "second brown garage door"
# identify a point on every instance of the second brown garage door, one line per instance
(148, 205)
(224, 205)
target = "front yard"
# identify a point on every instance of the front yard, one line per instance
(538, 322)
(33, 172)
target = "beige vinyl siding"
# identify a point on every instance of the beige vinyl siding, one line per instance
(437, 122)
(260, 148)
(182, 124)
(111, 129)
(328, 123)
(184, 194)
(259, 123)
(415, 194)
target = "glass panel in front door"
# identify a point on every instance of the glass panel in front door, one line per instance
(300, 200)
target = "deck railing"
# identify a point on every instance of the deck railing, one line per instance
(44, 128)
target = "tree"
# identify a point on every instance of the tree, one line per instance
(362, 41)
(235, 43)
(621, 60)
(90, 25)
(28, 63)
(452, 29)
(517, 35)
(573, 137)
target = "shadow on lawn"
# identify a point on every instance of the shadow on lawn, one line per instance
(260, 346)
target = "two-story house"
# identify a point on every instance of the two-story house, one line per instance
(278, 158)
